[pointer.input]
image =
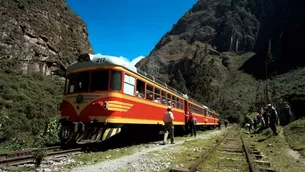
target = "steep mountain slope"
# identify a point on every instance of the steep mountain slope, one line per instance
(282, 31)
(35, 37)
(40, 31)
(204, 50)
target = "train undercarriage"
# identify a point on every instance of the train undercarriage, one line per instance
(95, 132)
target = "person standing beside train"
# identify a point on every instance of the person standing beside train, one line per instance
(168, 120)
(192, 122)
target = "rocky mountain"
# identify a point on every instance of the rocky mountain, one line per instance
(35, 34)
(213, 48)
(37, 37)
(282, 31)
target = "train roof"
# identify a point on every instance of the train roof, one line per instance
(88, 60)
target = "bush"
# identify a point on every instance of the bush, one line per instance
(28, 109)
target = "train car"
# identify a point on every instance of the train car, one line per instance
(206, 117)
(104, 96)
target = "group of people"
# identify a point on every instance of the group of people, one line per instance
(168, 120)
(268, 117)
(226, 122)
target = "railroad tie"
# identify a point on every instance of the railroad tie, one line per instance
(179, 170)
(259, 156)
(261, 169)
(262, 163)
(235, 166)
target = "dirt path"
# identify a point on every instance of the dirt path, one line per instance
(139, 161)
(295, 154)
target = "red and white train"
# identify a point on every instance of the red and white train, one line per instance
(104, 96)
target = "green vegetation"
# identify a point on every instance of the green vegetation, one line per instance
(237, 96)
(185, 155)
(294, 134)
(275, 149)
(28, 110)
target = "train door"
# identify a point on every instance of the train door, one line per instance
(186, 109)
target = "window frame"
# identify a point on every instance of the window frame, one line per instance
(110, 80)
(127, 83)
(147, 90)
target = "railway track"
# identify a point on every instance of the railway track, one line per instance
(230, 154)
(28, 156)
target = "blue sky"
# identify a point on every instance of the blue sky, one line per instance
(128, 28)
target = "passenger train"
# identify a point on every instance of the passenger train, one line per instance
(104, 96)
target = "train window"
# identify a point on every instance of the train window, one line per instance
(149, 92)
(169, 99)
(67, 86)
(78, 82)
(140, 89)
(157, 95)
(182, 104)
(99, 80)
(174, 102)
(116, 80)
(195, 109)
(129, 83)
(163, 100)
(178, 103)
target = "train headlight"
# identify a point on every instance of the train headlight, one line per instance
(105, 105)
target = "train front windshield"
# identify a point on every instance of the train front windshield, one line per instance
(91, 81)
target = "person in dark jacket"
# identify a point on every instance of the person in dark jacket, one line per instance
(226, 123)
(192, 123)
(287, 113)
(219, 125)
(273, 118)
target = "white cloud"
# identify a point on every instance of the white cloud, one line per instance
(136, 60)
(132, 62)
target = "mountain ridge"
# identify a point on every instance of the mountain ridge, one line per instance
(217, 42)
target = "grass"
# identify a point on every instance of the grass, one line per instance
(275, 149)
(294, 134)
(184, 155)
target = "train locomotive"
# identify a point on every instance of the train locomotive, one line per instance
(104, 96)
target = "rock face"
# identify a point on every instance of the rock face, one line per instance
(282, 31)
(197, 54)
(218, 39)
(224, 25)
(34, 34)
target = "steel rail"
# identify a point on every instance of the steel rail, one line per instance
(194, 167)
(206, 156)
(25, 152)
(31, 158)
(251, 168)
